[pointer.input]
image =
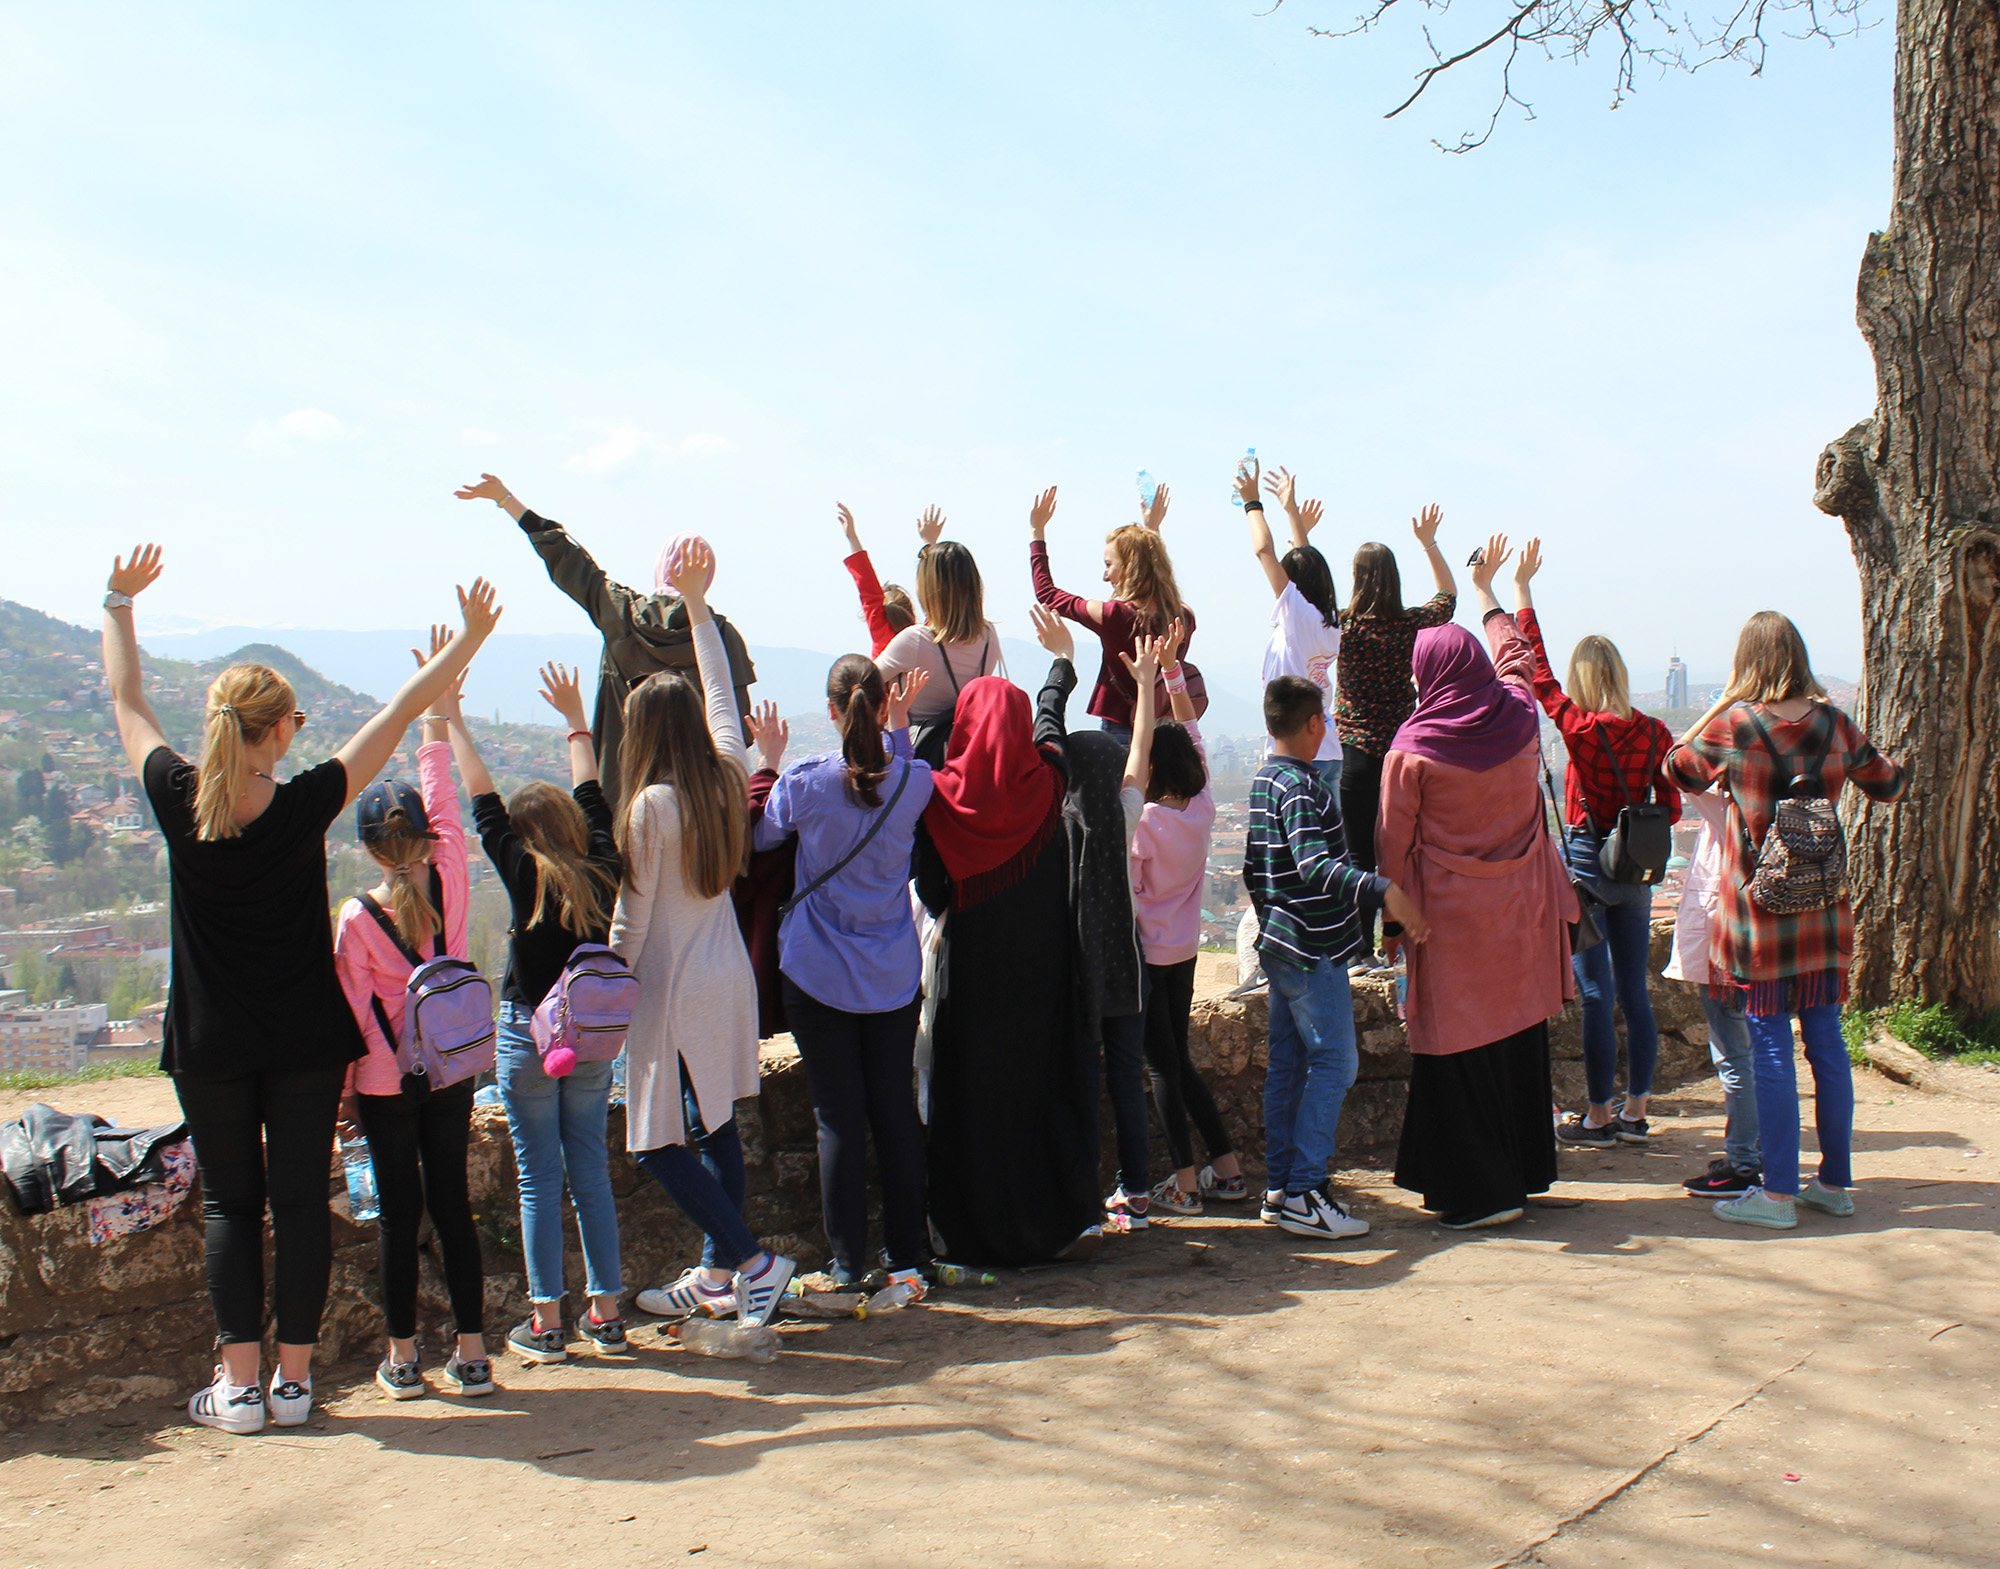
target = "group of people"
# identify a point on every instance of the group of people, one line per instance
(976, 921)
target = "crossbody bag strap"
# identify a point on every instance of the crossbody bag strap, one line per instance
(861, 844)
(388, 925)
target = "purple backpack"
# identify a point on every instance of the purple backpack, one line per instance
(447, 1033)
(587, 1012)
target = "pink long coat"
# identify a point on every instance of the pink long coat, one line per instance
(1474, 852)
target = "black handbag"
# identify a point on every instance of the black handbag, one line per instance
(1586, 931)
(1642, 839)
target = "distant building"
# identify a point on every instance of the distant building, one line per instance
(1677, 683)
(54, 1038)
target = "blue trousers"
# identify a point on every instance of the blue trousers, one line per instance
(1778, 1097)
(1729, 1049)
(1314, 1061)
(710, 1186)
(1616, 970)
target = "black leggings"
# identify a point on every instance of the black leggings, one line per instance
(265, 1138)
(1360, 802)
(1178, 1089)
(859, 1068)
(419, 1148)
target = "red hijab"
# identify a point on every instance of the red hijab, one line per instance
(996, 800)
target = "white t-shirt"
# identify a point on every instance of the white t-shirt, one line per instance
(915, 648)
(1302, 644)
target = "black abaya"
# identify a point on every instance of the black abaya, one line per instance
(1477, 1134)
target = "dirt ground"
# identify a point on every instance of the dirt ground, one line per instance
(1626, 1381)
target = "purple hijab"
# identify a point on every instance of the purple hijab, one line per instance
(1465, 715)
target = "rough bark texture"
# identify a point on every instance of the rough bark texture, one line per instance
(1918, 488)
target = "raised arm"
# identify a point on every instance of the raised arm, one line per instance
(570, 567)
(375, 742)
(451, 707)
(1051, 728)
(1170, 668)
(1555, 701)
(1261, 544)
(1088, 611)
(562, 692)
(1145, 670)
(866, 584)
(138, 726)
(690, 580)
(1425, 528)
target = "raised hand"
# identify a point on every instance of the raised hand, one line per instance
(1246, 482)
(847, 527)
(133, 575)
(1283, 484)
(1170, 644)
(930, 526)
(486, 488)
(1491, 559)
(562, 691)
(1156, 514)
(1306, 519)
(1425, 527)
(1146, 668)
(1042, 509)
(768, 733)
(478, 608)
(1530, 562)
(691, 574)
(440, 635)
(1052, 632)
(903, 695)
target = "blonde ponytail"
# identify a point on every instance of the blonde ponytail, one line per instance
(406, 856)
(244, 702)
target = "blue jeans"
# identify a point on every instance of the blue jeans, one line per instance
(558, 1129)
(709, 1188)
(1313, 1063)
(1125, 1074)
(1329, 770)
(1616, 968)
(1778, 1097)
(1122, 734)
(1729, 1049)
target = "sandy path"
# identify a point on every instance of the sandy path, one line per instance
(1210, 1394)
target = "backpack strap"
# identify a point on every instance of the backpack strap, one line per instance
(951, 675)
(861, 844)
(388, 924)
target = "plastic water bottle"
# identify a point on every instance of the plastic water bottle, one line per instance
(362, 1204)
(1149, 487)
(1247, 465)
(897, 1294)
(618, 1080)
(964, 1275)
(715, 1337)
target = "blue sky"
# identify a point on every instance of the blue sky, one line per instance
(279, 276)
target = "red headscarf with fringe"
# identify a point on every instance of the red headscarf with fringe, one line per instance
(997, 800)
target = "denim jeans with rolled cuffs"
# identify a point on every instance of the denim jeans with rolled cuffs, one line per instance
(1729, 1049)
(558, 1130)
(1314, 1061)
(1778, 1097)
(1615, 971)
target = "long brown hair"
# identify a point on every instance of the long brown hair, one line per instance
(405, 856)
(954, 596)
(1771, 662)
(854, 688)
(667, 742)
(1378, 583)
(552, 828)
(243, 703)
(1145, 576)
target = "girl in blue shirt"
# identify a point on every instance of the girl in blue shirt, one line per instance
(850, 959)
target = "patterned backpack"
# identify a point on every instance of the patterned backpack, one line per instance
(1802, 863)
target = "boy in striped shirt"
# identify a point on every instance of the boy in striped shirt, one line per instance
(1309, 901)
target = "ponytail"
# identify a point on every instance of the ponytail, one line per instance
(854, 688)
(244, 702)
(405, 855)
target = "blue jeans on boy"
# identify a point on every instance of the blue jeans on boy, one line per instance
(1729, 1049)
(1329, 770)
(1616, 969)
(1313, 1064)
(558, 1129)
(709, 1188)
(1778, 1097)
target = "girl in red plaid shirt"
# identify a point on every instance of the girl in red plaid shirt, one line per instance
(1793, 964)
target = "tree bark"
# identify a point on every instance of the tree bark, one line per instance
(1918, 488)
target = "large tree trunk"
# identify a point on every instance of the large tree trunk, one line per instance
(1918, 487)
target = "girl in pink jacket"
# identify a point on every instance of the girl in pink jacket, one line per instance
(418, 1141)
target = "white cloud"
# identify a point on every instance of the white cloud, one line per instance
(303, 425)
(626, 442)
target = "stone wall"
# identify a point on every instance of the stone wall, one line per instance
(85, 1327)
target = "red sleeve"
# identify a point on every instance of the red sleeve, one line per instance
(1548, 691)
(869, 587)
(1513, 659)
(1062, 602)
(1868, 769)
(1665, 791)
(759, 789)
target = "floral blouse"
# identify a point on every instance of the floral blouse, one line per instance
(1374, 693)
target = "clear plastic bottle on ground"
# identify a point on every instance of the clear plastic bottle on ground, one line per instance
(898, 1293)
(1247, 464)
(362, 1204)
(618, 1080)
(715, 1337)
(964, 1275)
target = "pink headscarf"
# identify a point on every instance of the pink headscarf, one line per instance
(670, 562)
(1466, 715)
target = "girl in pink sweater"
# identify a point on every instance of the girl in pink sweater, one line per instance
(417, 1141)
(1168, 766)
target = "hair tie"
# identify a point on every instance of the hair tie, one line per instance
(225, 708)
(405, 869)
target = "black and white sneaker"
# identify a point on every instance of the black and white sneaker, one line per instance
(1273, 1204)
(604, 1334)
(1314, 1214)
(401, 1380)
(469, 1378)
(291, 1400)
(227, 1407)
(1723, 1180)
(1574, 1130)
(1630, 1130)
(530, 1346)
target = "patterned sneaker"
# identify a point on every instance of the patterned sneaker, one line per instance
(1758, 1208)
(604, 1334)
(469, 1378)
(1230, 1190)
(1272, 1207)
(690, 1294)
(538, 1346)
(1174, 1199)
(401, 1380)
(1630, 1130)
(290, 1401)
(759, 1292)
(1574, 1130)
(1831, 1201)
(227, 1407)
(1126, 1212)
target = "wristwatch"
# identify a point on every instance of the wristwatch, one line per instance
(117, 601)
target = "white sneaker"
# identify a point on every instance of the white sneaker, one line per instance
(230, 1408)
(690, 1294)
(758, 1293)
(1313, 1214)
(290, 1401)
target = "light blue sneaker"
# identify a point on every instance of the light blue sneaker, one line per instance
(1834, 1201)
(1758, 1208)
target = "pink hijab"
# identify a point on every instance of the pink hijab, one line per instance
(670, 562)
(1465, 715)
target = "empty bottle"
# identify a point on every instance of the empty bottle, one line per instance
(1149, 487)
(897, 1294)
(964, 1275)
(1247, 465)
(618, 1080)
(715, 1337)
(362, 1204)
